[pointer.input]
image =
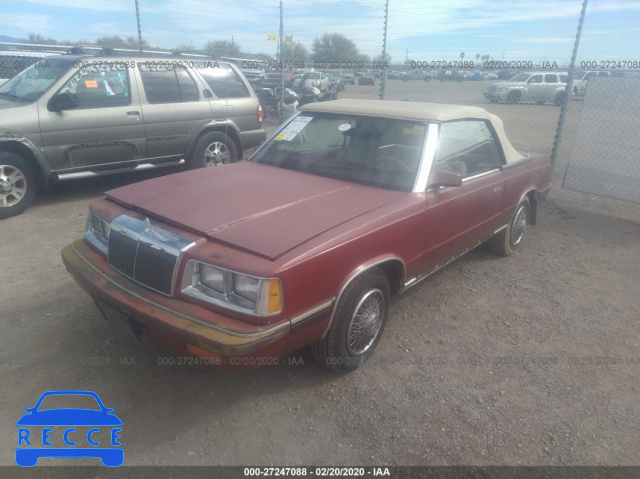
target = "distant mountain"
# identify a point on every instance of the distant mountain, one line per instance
(6, 38)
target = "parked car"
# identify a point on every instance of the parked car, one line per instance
(312, 79)
(104, 114)
(416, 75)
(336, 83)
(366, 80)
(474, 76)
(349, 78)
(254, 76)
(491, 76)
(581, 79)
(352, 201)
(450, 75)
(539, 87)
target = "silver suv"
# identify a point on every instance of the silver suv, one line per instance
(69, 114)
(539, 87)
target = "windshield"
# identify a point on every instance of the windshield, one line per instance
(381, 152)
(35, 80)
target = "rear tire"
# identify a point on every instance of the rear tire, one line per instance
(213, 149)
(18, 187)
(509, 239)
(561, 99)
(358, 322)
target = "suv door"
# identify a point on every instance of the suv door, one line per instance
(173, 108)
(234, 98)
(458, 218)
(551, 85)
(106, 126)
(535, 88)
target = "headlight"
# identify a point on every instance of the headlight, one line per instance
(97, 232)
(236, 291)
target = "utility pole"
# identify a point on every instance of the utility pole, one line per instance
(568, 91)
(139, 29)
(383, 77)
(281, 47)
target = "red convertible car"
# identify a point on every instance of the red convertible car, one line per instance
(350, 202)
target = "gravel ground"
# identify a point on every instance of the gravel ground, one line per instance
(532, 359)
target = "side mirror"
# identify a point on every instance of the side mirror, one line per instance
(63, 101)
(439, 178)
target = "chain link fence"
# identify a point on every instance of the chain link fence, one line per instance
(524, 82)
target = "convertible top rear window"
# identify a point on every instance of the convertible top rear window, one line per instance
(380, 152)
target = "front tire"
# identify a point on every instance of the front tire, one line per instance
(18, 186)
(357, 325)
(213, 149)
(513, 97)
(509, 239)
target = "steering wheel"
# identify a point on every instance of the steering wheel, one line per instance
(393, 162)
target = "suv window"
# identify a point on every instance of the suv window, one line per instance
(467, 147)
(551, 78)
(168, 84)
(535, 79)
(100, 86)
(564, 78)
(224, 82)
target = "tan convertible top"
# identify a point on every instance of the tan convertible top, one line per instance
(411, 110)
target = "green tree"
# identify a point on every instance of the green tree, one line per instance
(114, 41)
(295, 52)
(224, 48)
(334, 47)
(40, 40)
(382, 58)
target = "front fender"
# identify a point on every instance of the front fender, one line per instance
(23, 146)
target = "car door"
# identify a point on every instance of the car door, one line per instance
(232, 99)
(105, 127)
(551, 84)
(535, 88)
(458, 218)
(173, 107)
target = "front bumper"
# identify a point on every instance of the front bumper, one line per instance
(183, 326)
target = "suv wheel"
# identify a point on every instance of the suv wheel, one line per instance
(561, 98)
(213, 149)
(17, 184)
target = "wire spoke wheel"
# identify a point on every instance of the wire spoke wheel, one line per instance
(365, 322)
(519, 225)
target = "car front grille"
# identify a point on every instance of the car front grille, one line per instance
(145, 253)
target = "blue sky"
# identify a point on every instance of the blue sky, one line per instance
(418, 29)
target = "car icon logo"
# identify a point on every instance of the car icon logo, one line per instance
(63, 432)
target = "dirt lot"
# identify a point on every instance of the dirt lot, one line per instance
(532, 359)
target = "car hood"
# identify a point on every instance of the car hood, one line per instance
(257, 208)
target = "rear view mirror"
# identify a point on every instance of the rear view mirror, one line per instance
(439, 178)
(63, 101)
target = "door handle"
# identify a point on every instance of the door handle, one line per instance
(133, 113)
